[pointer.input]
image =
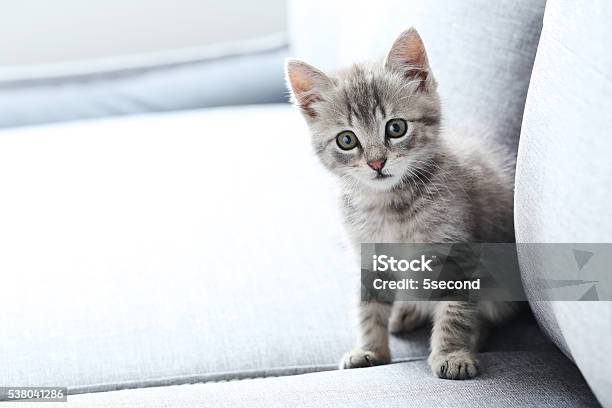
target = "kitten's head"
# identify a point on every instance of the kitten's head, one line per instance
(372, 124)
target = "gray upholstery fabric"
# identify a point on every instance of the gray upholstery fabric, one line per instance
(481, 51)
(564, 170)
(247, 73)
(525, 379)
(166, 273)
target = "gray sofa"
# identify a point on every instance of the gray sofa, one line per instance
(143, 268)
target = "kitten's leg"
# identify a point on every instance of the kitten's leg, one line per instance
(407, 316)
(374, 337)
(454, 340)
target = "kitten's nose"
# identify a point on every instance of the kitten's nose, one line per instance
(377, 164)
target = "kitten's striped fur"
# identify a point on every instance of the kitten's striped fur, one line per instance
(433, 188)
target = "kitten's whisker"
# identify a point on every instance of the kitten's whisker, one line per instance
(418, 171)
(444, 182)
(419, 190)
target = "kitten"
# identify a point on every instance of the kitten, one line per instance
(377, 127)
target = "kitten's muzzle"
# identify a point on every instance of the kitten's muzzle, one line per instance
(377, 165)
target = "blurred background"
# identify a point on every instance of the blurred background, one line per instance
(69, 59)
(73, 30)
(72, 60)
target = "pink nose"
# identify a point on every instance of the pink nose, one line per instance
(377, 164)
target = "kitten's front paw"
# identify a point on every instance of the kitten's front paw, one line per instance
(456, 365)
(359, 358)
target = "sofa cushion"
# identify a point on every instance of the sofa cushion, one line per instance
(534, 379)
(174, 248)
(246, 72)
(481, 51)
(564, 171)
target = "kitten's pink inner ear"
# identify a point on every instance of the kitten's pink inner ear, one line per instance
(304, 96)
(408, 55)
(299, 82)
(415, 53)
(302, 79)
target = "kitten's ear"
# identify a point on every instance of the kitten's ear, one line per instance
(408, 57)
(306, 84)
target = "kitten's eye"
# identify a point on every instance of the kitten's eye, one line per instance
(347, 140)
(396, 128)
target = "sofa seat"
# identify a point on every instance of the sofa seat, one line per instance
(169, 249)
(525, 379)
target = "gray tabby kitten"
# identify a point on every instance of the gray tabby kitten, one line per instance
(377, 127)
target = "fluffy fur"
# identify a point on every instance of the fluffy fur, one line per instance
(433, 187)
